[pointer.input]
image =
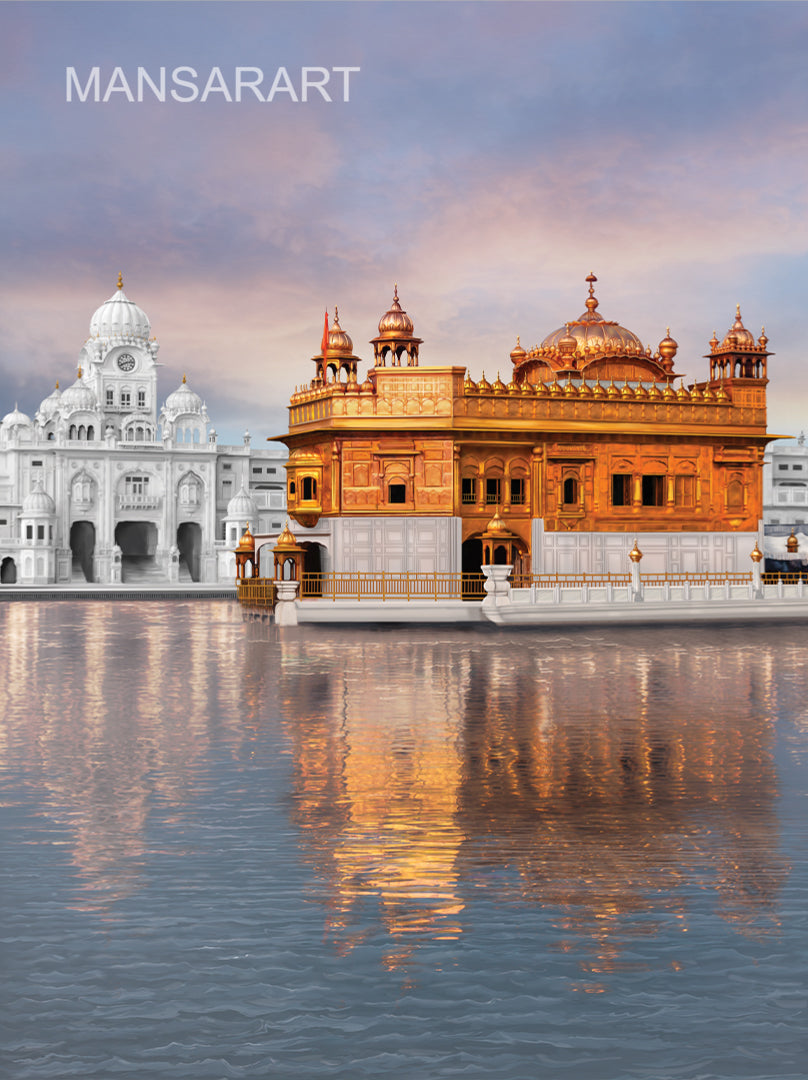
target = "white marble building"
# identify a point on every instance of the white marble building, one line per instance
(785, 485)
(105, 485)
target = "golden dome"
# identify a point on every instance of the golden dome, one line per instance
(792, 543)
(286, 540)
(593, 335)
(738, 336)
(517, 352)
(483, 383)
(247, 541)
(668, 393)
(395, 323)
(338, 341)
(682, 393)
(626, 391)
(498, 386)
(496, 525)
(654, 391)
(668, 347)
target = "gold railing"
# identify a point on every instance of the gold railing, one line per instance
(257, 592)
(787, 579)
(380, 585)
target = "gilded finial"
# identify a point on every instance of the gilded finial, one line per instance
(184, 380)
(756, 554)
(395, 291)
(120, 281)
(57, 384)
(635, 554)
(81, 373)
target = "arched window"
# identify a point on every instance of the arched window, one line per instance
(90, 433)
(570, 491)
(309, 487)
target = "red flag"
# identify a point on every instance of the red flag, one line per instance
(324, 344)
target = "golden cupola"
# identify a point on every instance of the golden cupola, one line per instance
(336, 356)
(395, 339)
(594, 347)
(338, 341)
(738, 356)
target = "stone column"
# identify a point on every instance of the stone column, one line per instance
(285, 606)
(497, 591)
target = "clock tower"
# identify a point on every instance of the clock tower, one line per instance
(120, 363)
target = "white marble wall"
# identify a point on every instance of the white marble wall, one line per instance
(601, 553)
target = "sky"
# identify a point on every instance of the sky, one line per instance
(489, 157)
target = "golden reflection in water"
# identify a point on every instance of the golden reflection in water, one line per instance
(598, 776)
(109, 708)
(599, 780)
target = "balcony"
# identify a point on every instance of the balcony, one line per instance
(130, 501)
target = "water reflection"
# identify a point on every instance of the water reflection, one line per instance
(610, 780)
(602, 777)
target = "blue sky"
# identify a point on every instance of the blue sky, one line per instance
(490, 157)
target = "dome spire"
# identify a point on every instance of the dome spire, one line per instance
(592, 301)
(120, 280)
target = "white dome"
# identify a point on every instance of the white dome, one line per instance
(38, 502)
(120, 317)
(16, 418)
(241, 506)
(50, 406)
(78, 397)
(183, 400)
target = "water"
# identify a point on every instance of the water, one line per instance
(403, 853)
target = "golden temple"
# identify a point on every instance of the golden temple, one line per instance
(589, 436)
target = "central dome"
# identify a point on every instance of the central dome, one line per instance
(120, 317)
(593, 335)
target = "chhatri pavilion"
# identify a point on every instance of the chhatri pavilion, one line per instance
(593, 440)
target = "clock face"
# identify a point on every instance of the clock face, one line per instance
(126, 362)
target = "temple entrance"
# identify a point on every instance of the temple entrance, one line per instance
(138, 543)
(8, 571)
(189, 541)
(313, 563)
(82, 545)
(471, 559)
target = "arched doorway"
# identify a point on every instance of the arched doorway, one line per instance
(314, 564)
(138, 543)
(8, 571)
(471, 560)
(82, 545)
(189, 541)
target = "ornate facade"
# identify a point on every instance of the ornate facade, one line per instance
(104, 485)
(593, 439)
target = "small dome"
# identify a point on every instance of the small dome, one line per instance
(16, 419)
(38, 502)
(241, 506)
(183, 400)
(395, 322)
(517, 352)
(50, 406)
(247, 541)
(338, 341)
(738, 335)
(120, 317)
(668, 347)
(78, 397)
